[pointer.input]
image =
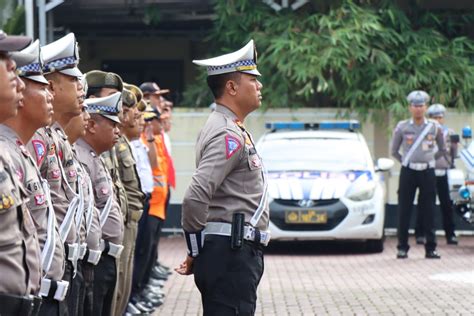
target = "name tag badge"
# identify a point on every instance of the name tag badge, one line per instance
(425, 146)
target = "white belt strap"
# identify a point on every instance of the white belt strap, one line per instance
(114, 249)
(263, 200)
(48, 249)
(94, 256)
(440, 172)
(82, 251)
(104, 214)
(80, 206)
(61, 289)
(68, 219)
(106, 210)
(90, 208)
(416, 144)
(225, 229)
(71, 211)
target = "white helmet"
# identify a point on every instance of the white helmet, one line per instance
(436, 110)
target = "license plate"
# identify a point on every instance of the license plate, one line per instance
(306, 217)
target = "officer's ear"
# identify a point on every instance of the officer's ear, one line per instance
(91, 126)
(231, 87)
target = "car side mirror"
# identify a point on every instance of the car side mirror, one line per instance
(384, 164)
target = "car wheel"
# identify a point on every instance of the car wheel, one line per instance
(375, 245)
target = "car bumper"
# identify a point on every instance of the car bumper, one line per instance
(345, 221)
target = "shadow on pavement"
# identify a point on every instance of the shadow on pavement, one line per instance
(317, 247)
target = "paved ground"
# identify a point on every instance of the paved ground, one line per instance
(340, 279)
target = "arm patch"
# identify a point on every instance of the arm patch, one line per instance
(232, 145)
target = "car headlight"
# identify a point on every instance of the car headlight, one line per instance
(361, 191)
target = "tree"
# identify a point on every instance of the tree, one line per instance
(355, 55)
(12, 19)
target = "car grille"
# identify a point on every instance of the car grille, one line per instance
(315, 202)
(336, 212)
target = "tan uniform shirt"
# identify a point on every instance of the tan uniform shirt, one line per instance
(127, 168)
(90, 231)
(17, 235)
(45, 149)
(101, 182)
(405, 135)
(444, 161)
(228, 176)
(29, 176)
(111, 163)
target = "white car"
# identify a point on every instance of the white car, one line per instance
(323, 184)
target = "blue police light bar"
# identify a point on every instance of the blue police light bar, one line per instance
(467, 132)
(325, 125)
(464, 193)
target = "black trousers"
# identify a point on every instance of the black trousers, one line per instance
(85, 308)
(145, 252)
(228, 279)
(52, 307)
(105, 277)
(76, 289)
(445, 205)
(425, 181)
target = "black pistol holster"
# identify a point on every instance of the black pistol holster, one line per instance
(237, 233)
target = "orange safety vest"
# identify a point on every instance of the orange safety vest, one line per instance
(160, 179)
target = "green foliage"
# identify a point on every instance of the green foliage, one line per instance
(16, 23)
(355, 55)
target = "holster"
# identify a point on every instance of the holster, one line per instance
(237, 233)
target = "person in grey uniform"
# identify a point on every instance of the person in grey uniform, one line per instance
(421, 142)
(19, 246)
(54, 156)
(443, 164)
(35, 113)
(225, 208)
(101, 134)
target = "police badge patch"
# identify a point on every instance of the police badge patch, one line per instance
(232, 145)
(40, 150)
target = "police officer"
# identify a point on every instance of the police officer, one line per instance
(421, 141)
(54, 154)
(102, 84)
(20, 277)
(443, 163)
(35, 113)
(131, 182)
(225, 208)
(87, 223)
(101, 134)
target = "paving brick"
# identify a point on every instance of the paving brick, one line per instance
(327, 278)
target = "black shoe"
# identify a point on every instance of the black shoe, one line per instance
(402, 254)
(452, 240)
(420, 240)
(156, 274)
(144, 308)
(432, 254)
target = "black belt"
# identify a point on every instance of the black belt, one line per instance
(12, 305)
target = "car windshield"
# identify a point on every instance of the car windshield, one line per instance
(325, 154)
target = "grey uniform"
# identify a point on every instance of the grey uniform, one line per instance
(113, 227)
(18, 240)
(44, 147)
(226, 180)
(38, 200)
(444, 162)
(431, 147)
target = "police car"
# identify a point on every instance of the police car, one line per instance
(322, 183)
